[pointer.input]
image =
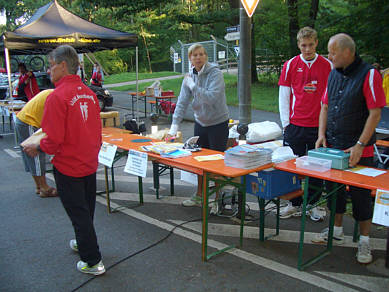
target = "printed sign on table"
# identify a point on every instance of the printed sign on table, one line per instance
(107, 154)
(381, 208)
(136, 163)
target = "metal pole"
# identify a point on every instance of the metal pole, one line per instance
(244, 78)
(137, 85)
(8, 65)
(227, 57)
(387, 250)
(182, 57)
(214, 51)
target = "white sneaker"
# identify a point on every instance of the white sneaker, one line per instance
(214, 208)
(317, 214)
(97, 269)
(364, 253)
(193, 201)
(289, 211)
(322, 237)
(73, 245)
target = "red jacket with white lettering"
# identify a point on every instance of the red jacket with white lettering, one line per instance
(71, 120)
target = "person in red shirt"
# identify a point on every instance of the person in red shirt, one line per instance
(28, 86)
(350, 112)
(302, 83)
(97, 78)
(71, 121)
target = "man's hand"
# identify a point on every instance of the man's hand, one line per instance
(321, 141)
(355, 154)
(31, 149)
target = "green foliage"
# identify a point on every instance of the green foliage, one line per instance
(161, 23)
(16, 11)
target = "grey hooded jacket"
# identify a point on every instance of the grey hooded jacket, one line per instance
(208, 97)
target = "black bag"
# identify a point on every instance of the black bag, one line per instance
(21, 87)
(131, 125)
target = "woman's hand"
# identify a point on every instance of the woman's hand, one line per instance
(189, 82)
(170, 138)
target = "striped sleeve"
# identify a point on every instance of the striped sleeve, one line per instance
(373, 90)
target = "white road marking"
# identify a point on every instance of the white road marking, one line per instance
(376, 284)
(291, 236)
(257, 260)
(165, 199)
(12, 153)
(147, 180)
(233, 230)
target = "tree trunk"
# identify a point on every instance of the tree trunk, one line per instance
(313, 13)
(293, 26)
(147, 50)
(235, 4)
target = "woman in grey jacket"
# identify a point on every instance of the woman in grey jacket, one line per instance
(204, 87)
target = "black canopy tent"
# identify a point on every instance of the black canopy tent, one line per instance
(52, 25)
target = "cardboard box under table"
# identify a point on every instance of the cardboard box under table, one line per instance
(268, 185)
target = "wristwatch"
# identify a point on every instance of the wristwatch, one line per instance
(361, 143)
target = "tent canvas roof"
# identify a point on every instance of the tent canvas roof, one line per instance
(52, 25)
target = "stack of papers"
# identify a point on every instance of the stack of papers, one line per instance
(169, 150)
(247, 156)
(177, 153)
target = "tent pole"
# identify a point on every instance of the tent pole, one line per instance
(137, 85)
(8, 65)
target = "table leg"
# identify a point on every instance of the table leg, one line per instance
(302, 229)
(278, 217)
(145, 102)
(387, 250)
(132, 107)
(140, 187)
(331, 195)
(261, 203)
(204, 245)
(156, 178)
(171, 181)
(243, 214)
(107, 189)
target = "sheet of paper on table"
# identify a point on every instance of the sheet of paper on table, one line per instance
(366, 171)
(209, 157)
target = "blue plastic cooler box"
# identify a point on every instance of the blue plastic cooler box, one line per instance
(272, 183)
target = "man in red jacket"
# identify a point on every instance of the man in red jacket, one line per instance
(28, 86)
(71, 120)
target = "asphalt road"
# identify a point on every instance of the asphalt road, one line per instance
(35, 232)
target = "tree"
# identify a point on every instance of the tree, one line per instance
(293, 26)
(16, 12)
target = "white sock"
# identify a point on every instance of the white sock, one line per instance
(363, 238)
(338, 230)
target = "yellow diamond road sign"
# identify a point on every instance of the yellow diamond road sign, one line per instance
(249, 6)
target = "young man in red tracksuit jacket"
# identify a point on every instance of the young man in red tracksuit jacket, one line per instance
(72, 123)
(302, 83)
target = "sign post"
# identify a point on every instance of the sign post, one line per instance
(244, 74)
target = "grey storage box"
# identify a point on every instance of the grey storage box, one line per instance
(338, 157)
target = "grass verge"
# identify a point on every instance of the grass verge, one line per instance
(130, 76)
(264, 95)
